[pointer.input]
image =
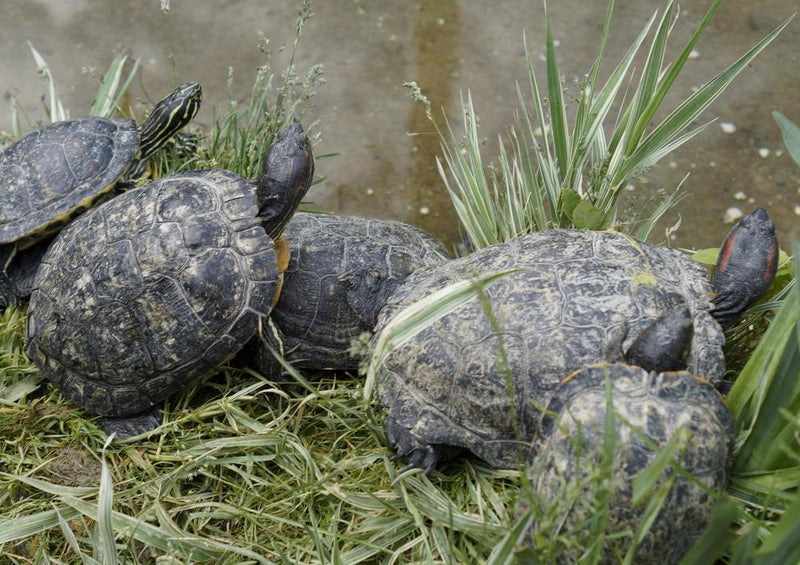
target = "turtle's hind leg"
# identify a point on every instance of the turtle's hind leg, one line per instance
(136, 424)
(417, 453)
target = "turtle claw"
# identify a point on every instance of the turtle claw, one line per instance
(417, 453)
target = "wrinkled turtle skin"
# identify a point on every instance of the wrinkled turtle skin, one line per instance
(146, 292)
(649, 409)
(57, 172)
(342, 270)
(579, 297)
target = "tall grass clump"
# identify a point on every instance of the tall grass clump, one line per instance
(566, 168)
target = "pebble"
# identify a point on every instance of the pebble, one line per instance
(424, 210)
(797, 210)
(732, 214)
(694, 54)
(763, 151)
(727, 127)
(740, 195)
(370, 191)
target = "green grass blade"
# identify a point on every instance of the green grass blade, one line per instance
(715, 538)
(588, 92)
(57, 111)
(646, 481)
(667, 204)
(547, 165)
(654, 102)
(648, 80)
(105, 501)
(21, 527)
(791, 135)
(689, 110)
(558, 114)
(504, 552)
(113, 87)
(190, 546)
(415, 318)
(753, 415)
(781, 546)
(604, 99)
(69, 536)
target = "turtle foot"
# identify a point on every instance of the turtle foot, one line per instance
(134, 425)
(418, 454)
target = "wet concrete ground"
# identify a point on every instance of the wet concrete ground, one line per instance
(370, 48)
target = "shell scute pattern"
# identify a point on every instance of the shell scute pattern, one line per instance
(123, 314)
(649, 408)
(116, 275)
(54, 170)
(340, 271)
(578, 297)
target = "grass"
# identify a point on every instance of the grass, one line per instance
(295, 469)
(557, 173)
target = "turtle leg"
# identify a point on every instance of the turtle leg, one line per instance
(133, 425)
(417, 453)
(283, 254)
(664, 345)
(746, 266)
(7, 295)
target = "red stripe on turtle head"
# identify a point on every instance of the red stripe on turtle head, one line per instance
(725, 253)
(772, 263)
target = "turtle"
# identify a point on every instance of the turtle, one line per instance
(474, 382)
(342, 270)
(650, 410)
(58, 171)
(148, 291)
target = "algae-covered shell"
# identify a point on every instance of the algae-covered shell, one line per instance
(342, 270)
(147, 291)
(53, 172)
(650, 410)
(576, 298)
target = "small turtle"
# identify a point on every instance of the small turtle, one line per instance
(146, 292)
(650, 409)
(577, 298)
(342, 270)
(56, 172)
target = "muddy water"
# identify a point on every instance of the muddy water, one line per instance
(370, 48)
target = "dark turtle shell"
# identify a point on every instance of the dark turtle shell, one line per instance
(342, 270)
(650, 410)
(59, 170)
(578, 297)
(147, 291)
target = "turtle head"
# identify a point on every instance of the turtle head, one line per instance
(746, 266)
(168, 117)
(285, 177)
(664, 344)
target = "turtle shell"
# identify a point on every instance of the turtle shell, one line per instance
(147, 291)
(341, 271)
(578, 297)
(650, 410)
(60, 170)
